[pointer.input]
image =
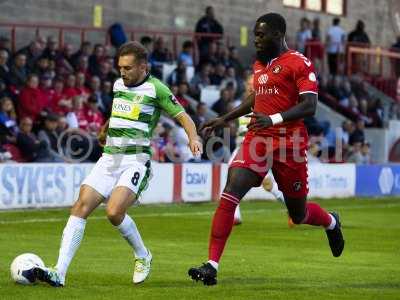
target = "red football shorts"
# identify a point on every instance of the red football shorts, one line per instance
(288, 163)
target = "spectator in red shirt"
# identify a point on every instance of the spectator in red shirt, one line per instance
(46, 87)
(93, 116)
(60, 104)
(70, 89)
(80, 85)
(83, 66)
(31, 100)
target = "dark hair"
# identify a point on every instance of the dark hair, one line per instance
(134, 48)
(274, 21)
(336, 21)
(187, 44)
(145, 40)
(208, 8)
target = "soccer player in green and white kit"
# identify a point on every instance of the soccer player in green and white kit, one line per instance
(123, 171)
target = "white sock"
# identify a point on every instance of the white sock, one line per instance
(333, 223)
(70, 241)
(131, 234)
(277, 193)
(237, 215)
(214, 264)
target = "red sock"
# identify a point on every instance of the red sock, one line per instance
(222, 226)
(317, 216)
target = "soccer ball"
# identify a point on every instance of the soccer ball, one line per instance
(21, 268)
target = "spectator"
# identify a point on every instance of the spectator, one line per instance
(355, 154)
(303, 35)
(186, 54)
(200, 116)
(105, 72)
(183, 89)
(230, 79)
(107, 97)
(96, 58)
(234, 61)
(160, 55)
(316, 31)
(32, 149)
(335, 39)
(80, 85)
(77, 117)
(64, 62)
(50, 137)
(364, 113)
(94, 117)
(201, 79)
(33, 51)
(220, 107)
(8, 120)
(4, 69)
(147, 42)
(60, 104)
(85, 50)
(70, 89)
(210, 56)
(206, 25)
(46, 88)
(313, 153)
(101, 98)
(358, 135)
(5, 44)
(18, 72)
(51, 50)
(42, 66)
(358, 35)
(223, 56)
(218, 75)
(178, 75)
(31, 99)
(83, 66)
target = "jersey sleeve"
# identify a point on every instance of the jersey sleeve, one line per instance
(167, 101)
(306, 79)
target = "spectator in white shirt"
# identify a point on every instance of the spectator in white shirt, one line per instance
(303, 35)
(335, 39)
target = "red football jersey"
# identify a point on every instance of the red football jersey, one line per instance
(278, 85)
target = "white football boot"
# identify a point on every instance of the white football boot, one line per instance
(142, 268)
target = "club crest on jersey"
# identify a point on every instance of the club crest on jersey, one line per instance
(276, 69)
(263, 79)
(138, 98)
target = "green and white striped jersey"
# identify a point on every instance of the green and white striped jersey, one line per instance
(135, 113)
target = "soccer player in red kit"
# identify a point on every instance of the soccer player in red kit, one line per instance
(285, 92)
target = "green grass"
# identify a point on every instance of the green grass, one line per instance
(263, 259)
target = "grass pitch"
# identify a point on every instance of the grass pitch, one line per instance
(264, 259)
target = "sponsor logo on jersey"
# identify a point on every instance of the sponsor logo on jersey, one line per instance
(263, 79)
(138, 98)
(276, 69)
(265, 90)
(121, 107)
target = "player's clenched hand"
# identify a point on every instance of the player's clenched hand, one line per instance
(259, 121)
(102, 136)
(208, 127)
(196, 147)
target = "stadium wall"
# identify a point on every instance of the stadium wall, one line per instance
(57, 185)
(183, 15)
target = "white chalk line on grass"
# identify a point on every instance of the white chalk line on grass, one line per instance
(184, 214)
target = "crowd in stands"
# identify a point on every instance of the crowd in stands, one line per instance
(55, 98)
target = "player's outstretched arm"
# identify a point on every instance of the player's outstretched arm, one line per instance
(305, 108)
(243, 109)
(194, 141)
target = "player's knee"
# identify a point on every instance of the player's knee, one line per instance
(297, 218)
(115, 215)
(80, 209)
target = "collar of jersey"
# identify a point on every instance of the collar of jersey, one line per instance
(141, 82)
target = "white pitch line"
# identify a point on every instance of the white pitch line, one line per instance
(183, 214)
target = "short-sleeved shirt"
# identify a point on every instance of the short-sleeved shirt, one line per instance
(135, 113)
(278, 86)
